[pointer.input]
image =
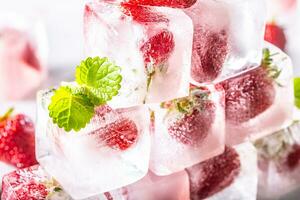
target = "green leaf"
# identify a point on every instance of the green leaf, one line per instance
(297, 91)
(101, 77)
(70, 109)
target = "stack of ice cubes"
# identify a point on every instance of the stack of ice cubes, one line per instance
(198, 83)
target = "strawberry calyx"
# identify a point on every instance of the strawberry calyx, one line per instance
(187, 105)
(7, 114)
(267, 63)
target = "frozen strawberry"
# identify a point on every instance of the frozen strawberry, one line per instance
(23, 48)
(30, 57)
(142, 14)
(209, 53)
(108, 196)
(214, 174)
(293, 158)
(250, 93)
(120, 134)
(31, 183)
(158, 48)
(275, 35)
(167, 3)
(23, 185)
(197, 117)
(17, 143)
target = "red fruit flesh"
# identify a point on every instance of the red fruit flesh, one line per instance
(275, 35)
(23, 185)
(158, 48)
(193, 128)
(209, 54)
(167, 3)
(214, 174)
(142, 14)
(17, 143)
(293, 158)
(120, 134)
(248, 95)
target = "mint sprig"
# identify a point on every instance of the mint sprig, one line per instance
(72, 106)
(297, 91)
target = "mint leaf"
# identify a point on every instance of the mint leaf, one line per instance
(297, 91)
(72, 106)
(101, 77)
(70, 110)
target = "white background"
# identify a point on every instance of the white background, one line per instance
(63, 21)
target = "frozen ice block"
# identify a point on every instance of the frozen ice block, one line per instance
(152, 45)
(279, 162)
(152, 187)
(22, 65)
(110, 152)
(228, 35)
(231, 175)
(187, 130)
(5, 169)
(31, 183)
(259, 101)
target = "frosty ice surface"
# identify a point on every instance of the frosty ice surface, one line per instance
(21, 60)
(228, 34)
(152, 45)
(31, 183)
(152, 187)
(187, 130)
(278, 162)
(231, 175)
(111, 152)
(259, 101)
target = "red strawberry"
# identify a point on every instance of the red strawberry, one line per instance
(250, 93)
(167, 3)
(24, 184)
(213, 175)
(108, 196)
(23, 48)
(17, 145)
(209, 53)
(293, 158)
(142, 14)
(30, 57)
(193, 127)
(158, 48)
(120, 134)
(275, 35)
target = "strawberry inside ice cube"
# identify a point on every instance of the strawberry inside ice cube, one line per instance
(168, 3)
(215, 174)
(248, 95)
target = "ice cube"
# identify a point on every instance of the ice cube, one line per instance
(31, 183)
(151, 44)
(5, 169)
(228, 34)
(231, 175)
(152, 187)
(259, 101)
(278, 162)
(110, 152)
(22, 67)
(187, 130)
